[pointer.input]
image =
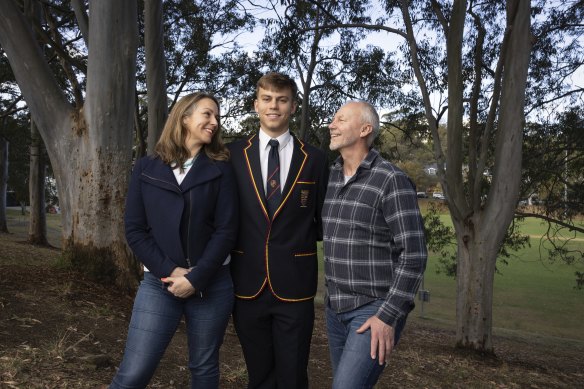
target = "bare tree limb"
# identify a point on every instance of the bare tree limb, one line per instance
(65, 64)
(365, 26)
(432, 123)
(25, 50)
(475, 177)
(549, 219)
(440, 15)
(490, 123)
(82, 19)
(563, 95)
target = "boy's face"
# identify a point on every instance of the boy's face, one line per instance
(274, 108)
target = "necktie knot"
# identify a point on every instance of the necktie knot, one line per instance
(274, 143)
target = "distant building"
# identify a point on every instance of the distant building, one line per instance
(431, 170)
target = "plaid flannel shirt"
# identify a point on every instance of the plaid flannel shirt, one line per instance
(374, 243)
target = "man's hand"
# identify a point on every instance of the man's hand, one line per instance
(382, 338)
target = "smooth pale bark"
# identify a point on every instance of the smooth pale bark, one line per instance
(155, 70)
(453, 187)
(479, 230)
(3, 183)
(37, 227)
(307, 84)
(480, 236)
(89, 148)
(82, 19)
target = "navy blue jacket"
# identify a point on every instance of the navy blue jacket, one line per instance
(154, 207)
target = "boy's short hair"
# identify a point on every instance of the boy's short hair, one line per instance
(277, 81)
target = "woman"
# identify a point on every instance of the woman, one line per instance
(181, 223)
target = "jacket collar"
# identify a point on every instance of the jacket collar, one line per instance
(202, 171)
(160, 174)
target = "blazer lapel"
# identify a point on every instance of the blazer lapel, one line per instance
(299, 158)
(252, 158)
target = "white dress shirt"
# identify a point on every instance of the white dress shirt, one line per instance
(285, 151)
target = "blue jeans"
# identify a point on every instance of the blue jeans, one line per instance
(350, 352)
(155, 318)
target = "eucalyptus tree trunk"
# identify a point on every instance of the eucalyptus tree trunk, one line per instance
(480, 233)
(155, 70)
(3, 183)
(480, 226)
(90, 148)
(37, 228)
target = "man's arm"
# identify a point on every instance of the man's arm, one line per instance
(402, 214)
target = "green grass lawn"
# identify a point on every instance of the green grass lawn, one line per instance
(531, 295)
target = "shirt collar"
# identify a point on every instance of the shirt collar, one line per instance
(365, 163)
(283, 139)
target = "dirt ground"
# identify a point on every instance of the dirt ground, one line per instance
(60, 330)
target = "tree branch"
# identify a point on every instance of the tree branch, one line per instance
(568, 93)
(548, 219)
(59, 49)
(458, 204)
(440, 15)
(475, 176)
(492, 115)
(10, 110)
(65, 61)
(374, 27)
(432, 123)
(82, 19)
(26, 59)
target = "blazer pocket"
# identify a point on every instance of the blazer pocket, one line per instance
(304, 255)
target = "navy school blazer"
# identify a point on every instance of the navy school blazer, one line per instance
(154, 208)
(279, 254)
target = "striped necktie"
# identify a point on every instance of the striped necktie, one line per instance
(273, 192)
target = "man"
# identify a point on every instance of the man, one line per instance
(374, 249)
(282, 183)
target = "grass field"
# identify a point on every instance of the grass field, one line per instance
(18, 225)
(532, 296)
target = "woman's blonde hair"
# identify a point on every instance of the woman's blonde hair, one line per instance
(172, 149)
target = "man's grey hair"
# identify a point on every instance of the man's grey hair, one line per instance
(369, 115)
